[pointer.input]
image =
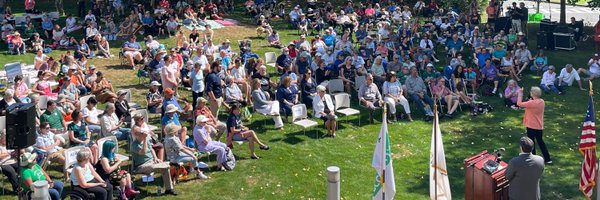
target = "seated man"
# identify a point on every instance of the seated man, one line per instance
(454, 46)
(567, 76)
(54, 118)
(369, 96)
(594, 70)
(417, 91)
(171, 117)
(132, 51)
(170, 98)
(490, 74)
(50, 144)
(145, 160)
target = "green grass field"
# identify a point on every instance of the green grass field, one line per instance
(295, 167)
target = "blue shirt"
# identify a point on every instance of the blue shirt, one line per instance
(213, 84)
(197, 81)
(481, 58)
(285, 94)
(167, 120)
(134, 45)
(499, 53)
(147, 20)
(284, 60)
(167, 102)
(47, 25)
(225, 62)
(302, 66)
(234, 121)
(329, 40)
(448, 71)
(489, 72)
(457, 45)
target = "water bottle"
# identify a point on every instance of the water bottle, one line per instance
(158, 191)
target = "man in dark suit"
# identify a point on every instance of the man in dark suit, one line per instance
(524, 172)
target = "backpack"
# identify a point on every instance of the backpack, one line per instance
(481, 108)
(230, 163)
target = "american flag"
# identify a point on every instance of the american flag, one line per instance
(587, 147)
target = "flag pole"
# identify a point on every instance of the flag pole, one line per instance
(383, 153)
(435, 124)
(591, 89)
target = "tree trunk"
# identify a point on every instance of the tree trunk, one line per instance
(563, 11)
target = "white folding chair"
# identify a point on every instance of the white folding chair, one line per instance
(113, 139)
(342, 106)
(2, 123)
(144, 113)
(336, 86)
(358, 81)
(70, 160)
(300, 117)
(19, 20)
(12, 70)
(128, 98)
(270, 59)
(42, 103)
(53, 15)
(83, 100)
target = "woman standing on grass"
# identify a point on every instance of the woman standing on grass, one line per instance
(534, 119)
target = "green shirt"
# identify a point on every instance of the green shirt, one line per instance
(35, 174)
(141, 159)
(54, 118)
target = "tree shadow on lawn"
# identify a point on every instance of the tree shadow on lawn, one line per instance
(118, 67)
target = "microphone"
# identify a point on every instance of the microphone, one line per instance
(498, 152)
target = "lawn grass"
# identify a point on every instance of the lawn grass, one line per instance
(295, 166)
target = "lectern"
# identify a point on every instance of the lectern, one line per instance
(484, 177)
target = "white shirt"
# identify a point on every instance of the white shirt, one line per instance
(92, 115)
(238, 73)
(594, 66)
(328, 58)
(44, 140)
(71, 22)
(548, 78)
(153, 44)
(172, 24)
(568, 77)
(202, 60)
(107, 123)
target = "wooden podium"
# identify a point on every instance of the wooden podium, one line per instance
(481, 185)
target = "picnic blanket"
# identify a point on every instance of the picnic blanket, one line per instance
(215, 24)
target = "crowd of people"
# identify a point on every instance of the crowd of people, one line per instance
(387, 53)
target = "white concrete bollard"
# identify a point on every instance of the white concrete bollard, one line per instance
(333, 183)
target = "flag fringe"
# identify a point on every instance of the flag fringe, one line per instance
(582, 149)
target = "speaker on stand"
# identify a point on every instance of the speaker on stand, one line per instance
(20, 126)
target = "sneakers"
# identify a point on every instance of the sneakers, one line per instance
(494, 91)
(549, 162)
(200, 175)
(514, 107)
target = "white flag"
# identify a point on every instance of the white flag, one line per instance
(382, 186)
(438, 174)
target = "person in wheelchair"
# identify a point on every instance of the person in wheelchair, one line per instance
(32, 172)
(85, 177)
(109, 168)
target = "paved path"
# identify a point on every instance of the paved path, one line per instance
(552, 11)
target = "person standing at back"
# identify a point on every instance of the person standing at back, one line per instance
(524, 172)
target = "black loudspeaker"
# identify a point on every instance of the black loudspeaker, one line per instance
(503, 23)
(20, 125)
(564, 41)
(542, 40)
(547, 26)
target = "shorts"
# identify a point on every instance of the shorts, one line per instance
(132, 53)
(238, 137)
(589, 73)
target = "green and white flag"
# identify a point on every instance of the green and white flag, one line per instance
(382, 162)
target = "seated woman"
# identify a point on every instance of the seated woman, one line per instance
(348, 74)
(104, 48)
(102, 88)
(122, 106)
(286, 97)
(507, 66)
(141, 127)
(440, 91)
(8, 162)
(510, 94)
(83, 50)
(263, 105)
(65, 107)
(309, 88)
(540, 62)
(233, 94)
(238, 132)
(273, 39)
(393, 95)
(154, 98)
(21, 89)
(204, 143)
(18, 44)
(7, 101)
(324, 109)
(90, 115)
(214, 126)
(178, 153)
(109, 168)
(111, 124)
(80, 135)
(84, 176)
(32, 172)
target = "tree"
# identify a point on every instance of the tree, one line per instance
(563, 11)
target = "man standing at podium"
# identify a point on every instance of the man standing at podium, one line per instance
(524, 172)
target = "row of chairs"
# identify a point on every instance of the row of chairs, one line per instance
(342, 106)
